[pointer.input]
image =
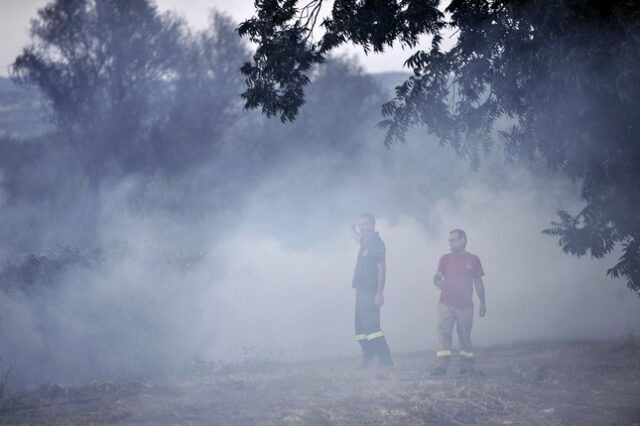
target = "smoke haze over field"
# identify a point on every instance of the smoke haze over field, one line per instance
(298, 299)
(224, 236)
(277, 284)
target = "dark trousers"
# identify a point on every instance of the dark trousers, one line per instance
(367, 325)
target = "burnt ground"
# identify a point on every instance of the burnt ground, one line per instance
(561, 383)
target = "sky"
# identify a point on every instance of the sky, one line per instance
(16, 15)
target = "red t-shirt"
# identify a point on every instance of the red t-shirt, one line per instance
(459, 270)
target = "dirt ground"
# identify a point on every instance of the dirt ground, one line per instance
(577, 383)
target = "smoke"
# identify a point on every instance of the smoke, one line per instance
(281, 296)
(275, 282)
(126, 313)
(246, 251)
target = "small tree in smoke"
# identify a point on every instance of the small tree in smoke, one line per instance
(205, 105)
(565, 74)
(100, 64)
(132, 91)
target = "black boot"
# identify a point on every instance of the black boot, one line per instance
(440, 370)
(466, 366)
(367, 353)
(381, 349)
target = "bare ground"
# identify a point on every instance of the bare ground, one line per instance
(576, 383)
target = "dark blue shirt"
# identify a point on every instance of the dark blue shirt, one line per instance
(371, 254)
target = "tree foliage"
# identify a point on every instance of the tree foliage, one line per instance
(130, 88)
(204, 105)
(133, 93)
(99, 64)
(186, 149)
(565, 74)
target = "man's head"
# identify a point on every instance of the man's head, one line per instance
(366, 224)
(457, 240)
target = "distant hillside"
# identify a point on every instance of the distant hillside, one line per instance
(22, 110)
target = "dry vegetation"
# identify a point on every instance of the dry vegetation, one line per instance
(581, 383)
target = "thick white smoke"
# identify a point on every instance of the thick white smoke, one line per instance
(298, 301)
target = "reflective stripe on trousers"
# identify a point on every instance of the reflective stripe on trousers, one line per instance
(462, 319)
(371, 336)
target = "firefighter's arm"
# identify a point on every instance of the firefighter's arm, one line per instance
(480, 291)
(438, 280)
(382, 276)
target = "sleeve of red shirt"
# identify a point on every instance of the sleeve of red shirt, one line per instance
(478, 268)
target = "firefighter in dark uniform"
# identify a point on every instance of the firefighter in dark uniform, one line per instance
(368, 280)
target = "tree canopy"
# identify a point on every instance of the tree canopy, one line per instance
(564, 75)
(98, 63)
(131, 88)
(137, 97)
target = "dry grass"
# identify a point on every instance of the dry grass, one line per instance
(586, 383)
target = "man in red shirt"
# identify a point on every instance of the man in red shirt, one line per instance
(458, 273)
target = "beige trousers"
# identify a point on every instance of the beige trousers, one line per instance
(462, 318)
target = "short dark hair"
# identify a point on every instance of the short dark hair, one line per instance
(461, 234)
(369, 216)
